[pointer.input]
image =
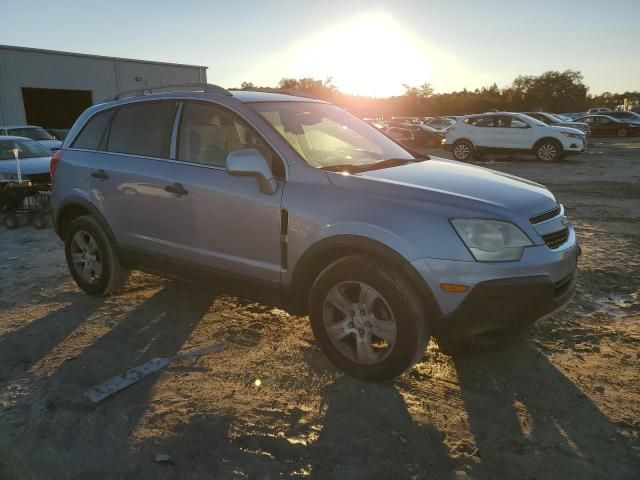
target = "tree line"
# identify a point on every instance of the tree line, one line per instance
(552, 91)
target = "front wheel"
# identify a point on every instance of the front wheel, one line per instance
(367, 318)
(549, 151)
(91, 257)
(623, 132)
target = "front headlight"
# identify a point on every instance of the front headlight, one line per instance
(491, 240)
(572, 135)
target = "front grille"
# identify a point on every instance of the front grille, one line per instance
(541, 217)
(555, 239)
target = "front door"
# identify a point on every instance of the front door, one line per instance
(512, 133)
(219, 222)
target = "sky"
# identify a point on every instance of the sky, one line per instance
(368, 47)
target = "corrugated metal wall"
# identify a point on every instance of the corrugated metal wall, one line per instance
(104, 76)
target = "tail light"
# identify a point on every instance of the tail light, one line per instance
(55, 160)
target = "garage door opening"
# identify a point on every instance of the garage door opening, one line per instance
(54, 108)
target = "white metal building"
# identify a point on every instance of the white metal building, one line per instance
(50, 88)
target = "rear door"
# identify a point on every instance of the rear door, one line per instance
(131, 172)
(220, 222)
(481, 131)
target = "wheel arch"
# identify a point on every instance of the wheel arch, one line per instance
(326, 251)
(75, 207)
(465, 139)
(547, 139)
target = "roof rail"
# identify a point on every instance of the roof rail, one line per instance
(296, 93)
(205, 87)
(283, 91)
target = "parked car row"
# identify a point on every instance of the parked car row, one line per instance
(506, 132)
(33, 132)
(410, 134)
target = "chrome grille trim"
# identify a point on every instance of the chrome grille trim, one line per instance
(544, 216)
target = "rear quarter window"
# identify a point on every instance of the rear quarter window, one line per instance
(92, 135)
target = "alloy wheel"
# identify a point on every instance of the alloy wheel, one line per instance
(359, 322)
(622, 132)
(462, 151)
(86, 257)
(547, 152)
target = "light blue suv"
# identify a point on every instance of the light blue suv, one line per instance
(297, 203)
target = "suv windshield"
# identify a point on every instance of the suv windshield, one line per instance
(327, 137)
(34, 133)
(26, 149)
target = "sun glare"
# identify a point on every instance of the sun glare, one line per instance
(367, 55)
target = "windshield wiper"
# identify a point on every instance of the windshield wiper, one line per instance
(342, 167)
(388, 163)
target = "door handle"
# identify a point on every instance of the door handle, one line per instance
(100, 174)
(177, 189)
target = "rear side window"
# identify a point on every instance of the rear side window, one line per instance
(480, 121)
(92, 136)
(143, 129)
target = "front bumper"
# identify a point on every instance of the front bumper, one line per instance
(499, 308)
(575, 145)
(504, 298)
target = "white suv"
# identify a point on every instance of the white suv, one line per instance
(504, 132)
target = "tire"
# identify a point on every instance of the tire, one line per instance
(86, 240)
(549, 151)
(11, 222)
(462, 150)
(622, 132)
(390, 307)
(40, 221)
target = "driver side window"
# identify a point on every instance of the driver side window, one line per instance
(208, 134)
(517, 123)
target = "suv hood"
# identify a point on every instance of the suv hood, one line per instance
(462, 183)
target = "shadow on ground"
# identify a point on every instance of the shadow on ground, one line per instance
(91, 439)
(528, 418)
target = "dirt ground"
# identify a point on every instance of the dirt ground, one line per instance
(564, 404)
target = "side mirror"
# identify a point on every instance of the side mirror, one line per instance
(251, 163)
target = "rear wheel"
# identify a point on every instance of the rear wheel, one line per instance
(92, 259)
(367, 318)
(11, 222)
(623, 132)
(549, 151)
(40, 221)
(462, 150)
